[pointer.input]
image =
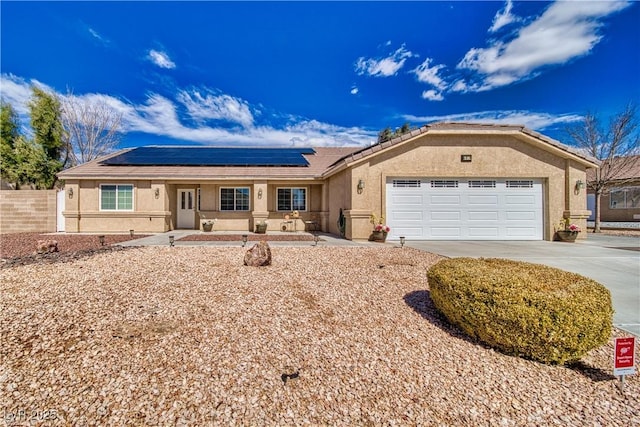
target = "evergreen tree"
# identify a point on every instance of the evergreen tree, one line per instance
(9, 133)
(47, 128)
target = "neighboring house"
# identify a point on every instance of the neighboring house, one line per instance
(621, 200)
(446, 181)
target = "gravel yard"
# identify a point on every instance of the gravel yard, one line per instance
(24, 244)
(324, 336)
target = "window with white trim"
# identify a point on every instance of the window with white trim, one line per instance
(476, 183)
(116, 197)
(407, 183)
(625, 198)
(292, 199)
(234, 199)
(520, 183)
(443, 183)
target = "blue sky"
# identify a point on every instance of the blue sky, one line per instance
(323, 73)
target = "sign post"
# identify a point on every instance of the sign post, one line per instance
(624, 358)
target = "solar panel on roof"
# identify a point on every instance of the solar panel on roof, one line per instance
(210, 156)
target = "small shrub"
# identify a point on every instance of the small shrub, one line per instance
(522, 309)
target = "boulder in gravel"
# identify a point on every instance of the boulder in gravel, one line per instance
(46, 246)
(259, 255)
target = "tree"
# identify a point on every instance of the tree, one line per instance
(9, 134)
(387, 134)
(613, 146)
(44, 109)
(92, 129)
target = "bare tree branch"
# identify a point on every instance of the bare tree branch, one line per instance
(92, 129)
(616, 148)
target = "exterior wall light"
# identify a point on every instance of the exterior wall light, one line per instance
(360, 186)
(157, 193)
(244, 240)
(260, 193)
(70, 192)
(579, 185)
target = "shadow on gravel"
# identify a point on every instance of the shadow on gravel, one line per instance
(594, 374)
(421, 303)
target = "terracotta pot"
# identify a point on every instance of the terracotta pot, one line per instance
(261, 228)
(207, 226)
(378, 236)
(567, 236)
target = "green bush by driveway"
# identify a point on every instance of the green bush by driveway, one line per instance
(523, 309)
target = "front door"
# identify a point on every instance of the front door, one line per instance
(186, 209)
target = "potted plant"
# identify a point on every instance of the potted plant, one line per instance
(567, 232)
(207, 224)
(380, 230)
(261, 227)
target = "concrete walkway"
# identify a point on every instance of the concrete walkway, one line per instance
(613, 261)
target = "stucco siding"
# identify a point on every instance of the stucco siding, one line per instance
(493, 156)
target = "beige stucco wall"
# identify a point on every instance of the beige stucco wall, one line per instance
(82, 210)
(495, 156)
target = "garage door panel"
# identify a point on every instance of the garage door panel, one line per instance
(521, 215)
(521, 231)
(408, 216)
(410, 232)
(445, 232)
(445, 199)
(407, 199)
(483, 215)
(522, 199)
(491, 200)
(473, 209)
(445, 216)
(483, 232)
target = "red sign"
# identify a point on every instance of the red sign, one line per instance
(625, 356)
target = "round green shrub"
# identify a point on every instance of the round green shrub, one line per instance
(522, 309)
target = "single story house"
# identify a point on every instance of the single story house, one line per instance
(621, 200)
(444, 181)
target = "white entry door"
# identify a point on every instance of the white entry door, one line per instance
(186, 209)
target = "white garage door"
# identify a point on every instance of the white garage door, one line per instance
(465, 209)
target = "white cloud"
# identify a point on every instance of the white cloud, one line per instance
(383, 67)
(213, 106)
(354, 90)
(503, 18)
(160, 116)
(161, 59)
(532, 120)
(432, 95)
(427, 74)
(98, 36)
(564, 31)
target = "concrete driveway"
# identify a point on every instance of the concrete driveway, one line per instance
(613, 261)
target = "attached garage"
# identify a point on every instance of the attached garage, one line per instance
(465, 208)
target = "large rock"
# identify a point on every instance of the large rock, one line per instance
(259, 255)
(46, 246)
